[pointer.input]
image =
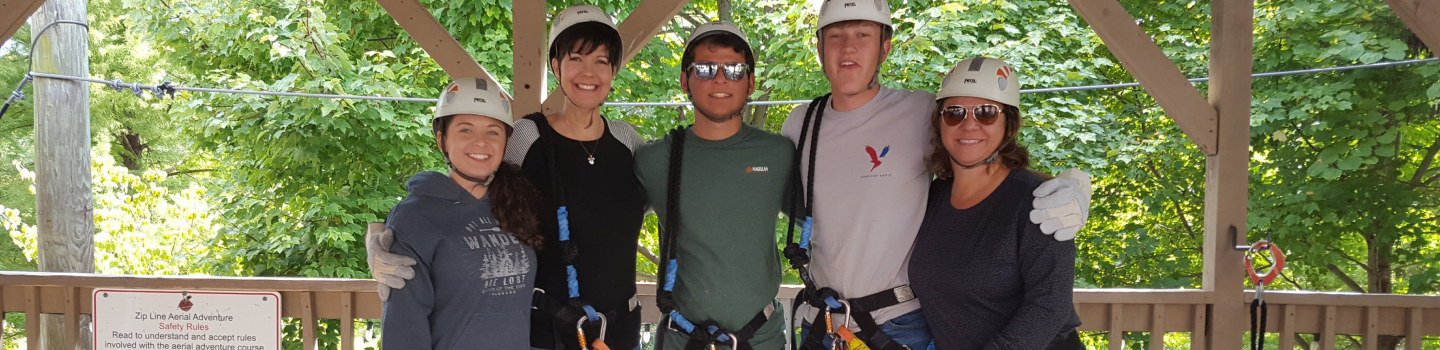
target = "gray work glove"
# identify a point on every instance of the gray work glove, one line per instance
(390, 269)
(1062, 205)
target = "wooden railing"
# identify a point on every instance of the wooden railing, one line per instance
(1116, 311)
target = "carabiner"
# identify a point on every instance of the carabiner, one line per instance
(829, 327)
(846, 322)
(580, 329)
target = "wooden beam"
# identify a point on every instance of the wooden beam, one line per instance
(417, 21)
(1156, 73)
(635, 32)
(528, 18)
(13, 14)
(1420, 16)
(1227, 171)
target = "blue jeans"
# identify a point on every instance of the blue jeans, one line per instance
(909, 330)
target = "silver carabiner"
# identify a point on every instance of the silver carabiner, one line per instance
(580, 326)
(734, 342)
(846, 323)
(532, 305)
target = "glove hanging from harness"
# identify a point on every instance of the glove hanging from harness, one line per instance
(826, 300)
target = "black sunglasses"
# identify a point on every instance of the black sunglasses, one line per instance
(734, 71)
(986, 114)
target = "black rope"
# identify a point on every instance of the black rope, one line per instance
(1257, 335)
(797, 191)
(671, 229)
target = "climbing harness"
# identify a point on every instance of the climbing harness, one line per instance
(702, 334)
(826, 300)
(573, 310)
(1260, 280)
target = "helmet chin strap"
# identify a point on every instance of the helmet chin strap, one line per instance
(985, 162)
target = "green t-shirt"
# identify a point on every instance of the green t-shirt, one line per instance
(731, 190)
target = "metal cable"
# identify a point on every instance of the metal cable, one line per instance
(119, 85)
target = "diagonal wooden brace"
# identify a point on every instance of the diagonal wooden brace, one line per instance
(1139, 54)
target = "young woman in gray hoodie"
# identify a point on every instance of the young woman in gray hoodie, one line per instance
(472, 231)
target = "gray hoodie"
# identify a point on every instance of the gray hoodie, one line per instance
(473, 281)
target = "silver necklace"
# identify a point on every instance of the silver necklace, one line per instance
(588, 152)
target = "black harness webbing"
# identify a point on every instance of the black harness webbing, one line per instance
(702, 335)
(826, 300)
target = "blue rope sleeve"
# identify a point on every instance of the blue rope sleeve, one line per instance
(590, 314)
(670, 276)
(832, 303)
(564, 222)
(573, 283)
(681, 321)
(805, 232)
(722, 338)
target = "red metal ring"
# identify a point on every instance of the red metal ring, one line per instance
(1268, 277)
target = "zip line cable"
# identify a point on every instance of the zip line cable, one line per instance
(19, 93)
(167, 88)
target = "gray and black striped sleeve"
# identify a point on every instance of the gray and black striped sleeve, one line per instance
(624, 132)
(525, 135)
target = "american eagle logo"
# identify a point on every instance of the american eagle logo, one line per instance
(874, 158)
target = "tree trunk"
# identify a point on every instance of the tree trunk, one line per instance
(63, 206)
(1379, 276)
(724, 10)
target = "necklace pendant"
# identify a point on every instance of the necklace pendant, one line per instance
(592, 160)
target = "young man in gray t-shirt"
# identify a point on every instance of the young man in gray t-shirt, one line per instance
(871, 181)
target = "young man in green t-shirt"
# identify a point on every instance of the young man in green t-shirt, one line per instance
(720, 269)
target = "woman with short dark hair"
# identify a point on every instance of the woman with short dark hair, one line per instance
(989, 277)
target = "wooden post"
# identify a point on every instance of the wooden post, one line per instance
(63, 206)
(1157, 327)
(1117, 333)
(529, 55)
(1227, 173)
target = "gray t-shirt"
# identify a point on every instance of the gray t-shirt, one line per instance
(869, 193)
(473, 281)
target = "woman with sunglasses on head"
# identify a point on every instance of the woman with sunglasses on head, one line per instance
(989, 277)
(591, 205)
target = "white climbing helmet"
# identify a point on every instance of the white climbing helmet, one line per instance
(983, 77)
(576, 14)
(478, 96)
(833, 11)
(715, 28)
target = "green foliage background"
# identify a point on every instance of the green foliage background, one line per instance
(1343, 170)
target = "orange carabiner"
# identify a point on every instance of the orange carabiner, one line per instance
(1268, 277)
